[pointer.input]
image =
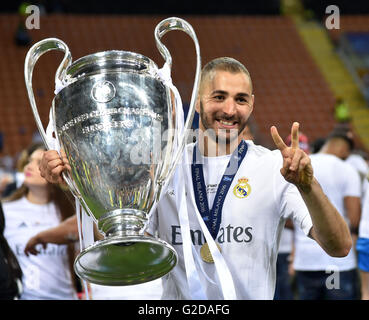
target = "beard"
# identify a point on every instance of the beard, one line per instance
(225, 136)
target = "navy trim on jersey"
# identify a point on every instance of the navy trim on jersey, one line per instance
(212, 217)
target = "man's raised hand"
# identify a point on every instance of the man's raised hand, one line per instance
(296, 167)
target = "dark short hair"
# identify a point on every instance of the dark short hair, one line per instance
(224, 64)
(343, 134)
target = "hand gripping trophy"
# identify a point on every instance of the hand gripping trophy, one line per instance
(120, 128)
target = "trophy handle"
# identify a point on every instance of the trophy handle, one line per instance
(36, 51)
(161, 29)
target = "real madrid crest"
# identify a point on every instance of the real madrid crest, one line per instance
(242, 189)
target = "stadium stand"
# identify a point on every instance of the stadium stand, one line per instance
(288, 83)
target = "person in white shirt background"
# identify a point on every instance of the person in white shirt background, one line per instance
(319, 276)
(358, 161)
(268, 187)
(67, 231)
(35, 206)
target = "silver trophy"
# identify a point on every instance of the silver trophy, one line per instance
(115, 119)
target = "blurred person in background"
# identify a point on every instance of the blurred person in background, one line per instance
(6, 173)
(6, 180)
(319, 276)
(357, 161)
(38, 205)
(66, 232)
(317, 144)
(17, 176)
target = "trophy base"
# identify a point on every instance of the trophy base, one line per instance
(125, 260)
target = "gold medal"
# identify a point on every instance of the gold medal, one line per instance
(206, 254)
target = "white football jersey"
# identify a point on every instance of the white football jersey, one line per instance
(338, 180)
(255, 209)
(47, 275)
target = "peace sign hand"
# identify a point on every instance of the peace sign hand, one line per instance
(297, 167)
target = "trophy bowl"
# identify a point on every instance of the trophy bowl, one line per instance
(116, 122)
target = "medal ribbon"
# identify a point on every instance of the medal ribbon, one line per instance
(213, 217)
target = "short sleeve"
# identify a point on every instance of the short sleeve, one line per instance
(353, 186)
(293, 207)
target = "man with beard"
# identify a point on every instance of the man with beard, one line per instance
(244, 194)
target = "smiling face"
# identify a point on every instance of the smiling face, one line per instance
(225, 104)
